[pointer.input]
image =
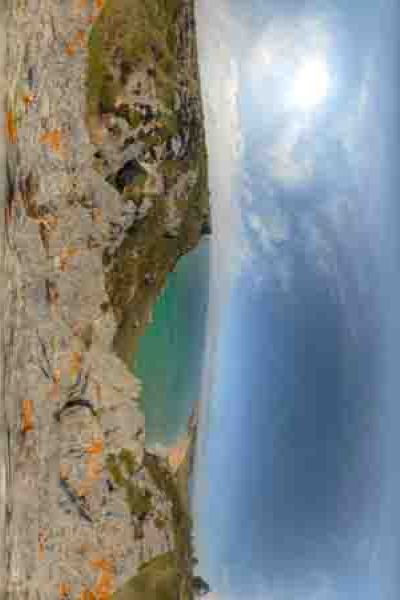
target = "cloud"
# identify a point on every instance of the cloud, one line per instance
(217, 31)
(268, 236)
(288, 162)
(270, 231)
(278, 61)
(319, 586)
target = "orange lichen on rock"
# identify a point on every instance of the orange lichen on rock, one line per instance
(94, 469)
(84, 489)
(101, 563)
(81, 4)
(70, 49)
(96, 447)
(55, 386)
(49, 222)
(27, 415)
(64, 590)
(28, 99)
(53, 139)
(86, 594)
(57, 375)
(76, 361)
(66, 255)
(42, 542)
(79, 40)
(11, 127)
(106, 582)
(94, 466)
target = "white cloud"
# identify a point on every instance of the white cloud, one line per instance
(278, 60)
(217, 31)
(286, 163)
(268, 234)
(269, 231)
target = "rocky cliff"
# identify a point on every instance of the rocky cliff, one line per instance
(107, 188)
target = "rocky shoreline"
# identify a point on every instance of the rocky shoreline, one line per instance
(107, 176)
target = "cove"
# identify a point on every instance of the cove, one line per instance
(170, 355)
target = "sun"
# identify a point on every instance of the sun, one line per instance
(311, 83)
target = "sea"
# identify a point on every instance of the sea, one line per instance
(170, 357)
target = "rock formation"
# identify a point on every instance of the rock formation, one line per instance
(107, 188)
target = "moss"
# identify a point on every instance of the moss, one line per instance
(160, 523)
(121, 468)
(141, 179)
(170, 123)
(177, 493)
(134, 118)
(139, 500)
(128, 459)
(173, 168)
(99, 76)
(115, 470)
(144, 32)
(160, 562)
(150, 139)
(157, 579)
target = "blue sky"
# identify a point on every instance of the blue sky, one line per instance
(297, 486)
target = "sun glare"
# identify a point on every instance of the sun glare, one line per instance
(311, 84)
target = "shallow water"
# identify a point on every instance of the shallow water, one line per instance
(170, 355)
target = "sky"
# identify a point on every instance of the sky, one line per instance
(297, 485)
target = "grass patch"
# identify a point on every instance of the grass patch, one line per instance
(121, 468)
(128, 459)
(158, 579)
(143, 34)
(139, 500)
(177, 494)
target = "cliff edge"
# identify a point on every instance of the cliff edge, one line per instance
(107, 188)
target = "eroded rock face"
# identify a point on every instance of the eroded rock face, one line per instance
(145, 117)
(107, 190)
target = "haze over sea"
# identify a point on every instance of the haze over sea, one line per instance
(297, 483)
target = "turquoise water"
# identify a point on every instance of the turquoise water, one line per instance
(170, 355)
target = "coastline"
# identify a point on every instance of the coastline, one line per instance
(85, 506)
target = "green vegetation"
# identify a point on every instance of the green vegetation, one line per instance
(143, 34)
(159, 522)
(139, 500)
(140, 37)
(115, 470)
(177, 493)
(166, 575)
(121, 468)
(169, 576)
(127, 458)
(157, 579)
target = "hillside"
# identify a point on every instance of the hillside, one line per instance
(107, 189)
